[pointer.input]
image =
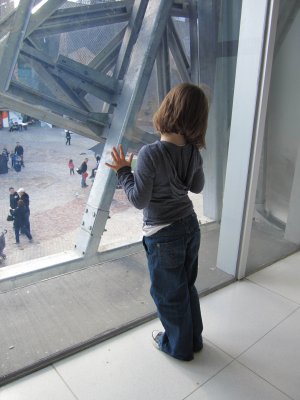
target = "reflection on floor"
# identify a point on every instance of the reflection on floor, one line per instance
(267, 244)
(45, 321)
(251, 351)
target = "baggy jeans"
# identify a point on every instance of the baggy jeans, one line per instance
(172, 255)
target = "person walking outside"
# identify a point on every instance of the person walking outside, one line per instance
(71, 167)
(13, 199)
(94, 170)
(166, 170)
(68, 138)
(19, 151)
(19, 215)
(84, 174)
(25, 198)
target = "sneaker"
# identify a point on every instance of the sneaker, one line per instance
(157, 336)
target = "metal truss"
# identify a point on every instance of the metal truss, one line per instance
(141, 34)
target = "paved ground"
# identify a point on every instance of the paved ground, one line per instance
(56, 199)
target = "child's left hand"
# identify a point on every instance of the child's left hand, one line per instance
(119, 159)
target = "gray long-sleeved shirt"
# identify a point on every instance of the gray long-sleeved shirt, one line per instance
(164, 174)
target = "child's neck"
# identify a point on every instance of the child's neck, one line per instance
(174, 138)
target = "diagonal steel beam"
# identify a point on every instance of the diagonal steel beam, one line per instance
(178, 53)
(87, 74)
(100, 60)
(43, 114)
(130, 37)
(57, 87)
(43, 14)
(82, 87)
(83, 17)
(35, 98)
(12, 43)
(37, 55)
(121, 129)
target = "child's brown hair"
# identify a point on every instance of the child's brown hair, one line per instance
(184, 111)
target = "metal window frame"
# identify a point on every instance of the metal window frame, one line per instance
(255, 59)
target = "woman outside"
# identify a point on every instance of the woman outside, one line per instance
(84, 174)
(166, 170)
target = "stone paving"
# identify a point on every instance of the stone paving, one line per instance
(56, 199)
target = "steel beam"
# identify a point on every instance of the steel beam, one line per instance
(82, 85)
(207, 39)
(83, 17)
(34, 97)
(42, 15)
(163, 68)
(194, 45)
(121, 129)
(253, 72)
(38, 55)
(84, 73)
(178, 52)
(40, 113)
(13, 42)
(56, 86)
(130, 36)
(100, 61)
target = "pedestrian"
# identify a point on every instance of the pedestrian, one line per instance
(166, 170)
(20, 224)
(25, 198)
(5, 152)
(19, 151)
(68, 138)
(94, 170)
(71, 167)
(13, 199)
(84, 174)
(3, 163)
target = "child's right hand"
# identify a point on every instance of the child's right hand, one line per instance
(119, 159)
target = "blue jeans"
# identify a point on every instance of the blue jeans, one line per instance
(172, 255)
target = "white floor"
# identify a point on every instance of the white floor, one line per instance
(251, 351)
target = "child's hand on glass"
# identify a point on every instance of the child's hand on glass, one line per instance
(119, 159)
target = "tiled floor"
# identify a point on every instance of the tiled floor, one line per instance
(252, 331)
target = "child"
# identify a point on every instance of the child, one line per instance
(71, 167)
(166, 170)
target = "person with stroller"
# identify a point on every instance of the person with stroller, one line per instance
(20, 221)
(19, 151)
